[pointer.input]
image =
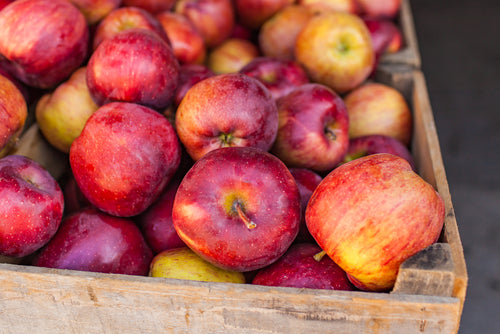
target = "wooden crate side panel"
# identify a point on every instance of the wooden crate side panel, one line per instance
(63, 301)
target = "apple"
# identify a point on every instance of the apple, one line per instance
(347, 6)
(372, 144)
(386, 35)
(4, 3)
(307, 181)
(214, 19)
(62, 113)
(125, 18)
(189, 75)
(31, 206)
(74, 200)
(135, 65)
(186, 41)
(124, 158)
(27, 92)
(95, 10)
(43, 41)
(253, 13)
(278, 75)
(152, 6)
(371, 214)
(376, 108)
(231, 55)
(240, 31)
(298, 268)
(238, 208)
(91, 240)
(278, 34)
(224, 110)
(183, 263)
(387, 9)
(336, 50)
(313, 130)
(13, 113)
(156, 221)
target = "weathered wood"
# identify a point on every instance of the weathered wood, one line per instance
(409, 54)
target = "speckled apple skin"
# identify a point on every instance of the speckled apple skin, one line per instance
(13, 113)
(301, 140)
(270, 198)
(124, 158)
(45, 40)
(298, 268)
(91, 240)
(31, 206)
(371, 214)
(233, 104)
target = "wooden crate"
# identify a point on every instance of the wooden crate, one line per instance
(428, 296)
(409, 55)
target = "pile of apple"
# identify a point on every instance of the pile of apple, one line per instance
(220, 140)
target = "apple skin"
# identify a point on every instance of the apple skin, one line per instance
(44, 41)
(386, 9)
(183, 263)
(336, 50)
(13, 113)
(31, 206)
(253, 13)
(223, 194)
(152, 6)
(156, 221)
(230, 109)
(125, 18)
(186, 41)
(386, 35)
(279, 76)
(372, 144)
(95, 10)
(298, 268)
(313, 128)
(91, 240)
(232, 55)
(4, 3)
(278, 34)
(189, 75)
(347, 6)
(307, 181)
(214, 19)
(74, 200)
(62, 113)
(136, 66)
(376, 108)
(371, 214)
(124, 158)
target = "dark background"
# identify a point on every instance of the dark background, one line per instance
(459, 43)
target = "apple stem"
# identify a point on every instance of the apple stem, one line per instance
(319, 256)
(248, 222)
(330, 134)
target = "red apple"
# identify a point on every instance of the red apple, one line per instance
(4, 3)
(91, 240)
(156, 221)
(125, 18)
(135, 65)
(253, 13)
(372, 144)
(371, 214)
(190, 74)
(74, 200)
(307, 181)
(43, 41)
(238, 208)
(279, 76)
(298, 268)
(278, 34)
(313, 128)
(232, 55)
(95, 10)
(347, 6)
(152, 6)
(336, 50)
(186, 41)
(376, 108)
(124, 158)
(214, 19)
(31, 206)
(13, 114)
(226, 110)
(387, 9)
(386, 35)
